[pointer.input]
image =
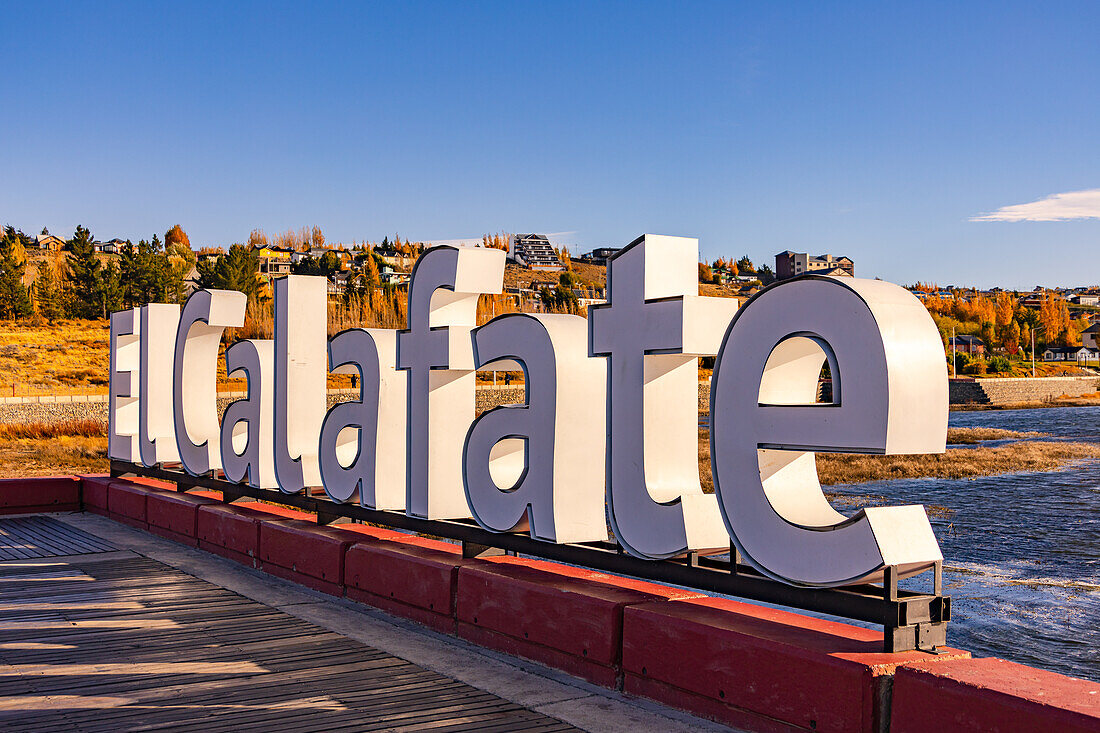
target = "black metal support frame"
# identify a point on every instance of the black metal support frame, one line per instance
(910, 620)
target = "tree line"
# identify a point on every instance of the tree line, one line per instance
(1002, 322)
(86, 284)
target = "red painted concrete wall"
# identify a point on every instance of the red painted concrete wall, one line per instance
(991, 695)
(744, 665)
(44, 494)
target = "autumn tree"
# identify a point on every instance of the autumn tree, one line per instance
(181, 261)
(176, 236)
(1004, 309)
(257, 238)
(744, 265)
(1011, 338)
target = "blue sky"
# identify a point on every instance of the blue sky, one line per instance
(879, 131)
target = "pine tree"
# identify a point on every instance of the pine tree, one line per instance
(15, 302)
(235, 270)
(46, 295)
(85, 273)
(110, 290)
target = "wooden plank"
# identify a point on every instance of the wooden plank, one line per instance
(242, 665)
(24, 538)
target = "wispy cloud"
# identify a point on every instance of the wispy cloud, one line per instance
(1056, 207)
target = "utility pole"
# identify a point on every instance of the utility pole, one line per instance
(954, 371)
(1033, 353)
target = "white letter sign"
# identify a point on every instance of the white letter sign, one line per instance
(606, 438)
(248, 454)
(437, 352)
(123, 400)
(301, 317)
(889, 397)
(363, 441)
(540, 465)
(195, 378)
(653, 329)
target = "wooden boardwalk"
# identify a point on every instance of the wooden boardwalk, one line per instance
(27, 537)
(111, 641)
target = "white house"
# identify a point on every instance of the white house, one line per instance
(1070, 353)
(1090, 335)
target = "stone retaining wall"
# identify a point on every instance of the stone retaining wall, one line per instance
(1006, 391)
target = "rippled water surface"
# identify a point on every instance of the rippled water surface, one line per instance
(1021, 552)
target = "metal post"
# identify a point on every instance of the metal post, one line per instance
(954, 371)
(1033, 353)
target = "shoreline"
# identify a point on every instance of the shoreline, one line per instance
(1030, 405)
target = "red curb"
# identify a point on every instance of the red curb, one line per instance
(736, 660)
(232, 528)
(565, 617)
(274, 510)
(126, 502)
(168, 534)
(991, 694)
(704, 707)
(93, 493)
(598, 674)
(301, 549)
(39, 494)
(175, 513)
(412, 577)
(239, 557)
(332, 589)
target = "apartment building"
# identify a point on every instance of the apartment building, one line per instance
(534, 252)
(791, 264)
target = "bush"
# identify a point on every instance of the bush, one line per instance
(999, 364)
(962, 361)
(975, 367)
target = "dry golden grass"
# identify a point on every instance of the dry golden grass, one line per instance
(954, 464)
(74, 357)
(43, 358)
(965, 436)
(42, 430)
(66, 454)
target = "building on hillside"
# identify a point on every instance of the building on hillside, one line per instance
(1070, 353)
(1086, 299)
(49, 242)
(792, 264)
(274, 260)
(1090, 337)
(114, 246)
(966, 344)
(389, 275)
(599, 256)
(534, 252)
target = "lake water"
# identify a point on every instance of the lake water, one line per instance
(1021, 552)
